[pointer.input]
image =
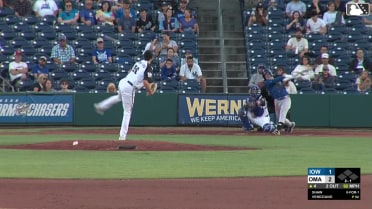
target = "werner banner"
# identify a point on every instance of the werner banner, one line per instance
(36, 109)
(209, 109)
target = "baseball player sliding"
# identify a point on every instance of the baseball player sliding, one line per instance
(255, 112)
(139, 76)
(282, 101)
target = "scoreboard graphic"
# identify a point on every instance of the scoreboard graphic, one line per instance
(333, 183)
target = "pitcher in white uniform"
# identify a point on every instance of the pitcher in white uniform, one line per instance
(139, 76)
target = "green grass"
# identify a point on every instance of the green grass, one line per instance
(276, 156)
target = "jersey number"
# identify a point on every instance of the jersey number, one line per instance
(135, 69)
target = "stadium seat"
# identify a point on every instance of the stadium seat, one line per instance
(328, 91)
(100, 75)
(11, 20)
(343, 84)
(120, 74)
(300, 84)
(88, 67)
(109, 67)
(89, 83)
(81, 89)
(49, 19)
(82, 28)
(7, 32)
(351, 90)
(19, 42)
(59, 74)
(49, 35)
(31, 20)
(26, 85)
(6, 11)
(7, 50)
(42, 27)
(307, 91)
(79, 75)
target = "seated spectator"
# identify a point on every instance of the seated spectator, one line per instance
(151, 45)
(45, 8)
(318, 59)
(257, 77)
(340, 6)
(39, 85)
(273, 4)
(190, 70)
(87, 14)
(111, 88)
(49, 86)
(314, 7)
(61, 5)
(324, 79)
(360, 63)
(180, 11)
(23, 8)
(363, 82)
(101, 54)
(296, 22)
(333, 17)
(295, 5)
(298, 44)
(123, 5)
(18, 70)
(168, 71)
(289, 85)
(40, 68)
(325, 64)
(62, 52)
(170, 23)
(126, 24)
(65, 86)
(170, 55)
(189, 23)
(105, 15)
(162, 47)
(259, 16)
(307, 71)
(163, 10)
(145, 23)
(188, 53)
(316, 25)
(69, 15)
(368, 19)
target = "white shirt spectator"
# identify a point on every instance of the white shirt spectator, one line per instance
(192, 73)
(307, 72)
(16, 65)
(302, 44)
(45, 7)
(332, 69)
(315, 27)
(295, 6)
(330, 17)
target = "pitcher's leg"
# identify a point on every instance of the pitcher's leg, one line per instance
(127, 101)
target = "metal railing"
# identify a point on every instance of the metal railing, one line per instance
(222, 46)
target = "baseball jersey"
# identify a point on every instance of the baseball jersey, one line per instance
(276, 88)
(16, 65)
(258, 111)
(192, 73)
(139, 72)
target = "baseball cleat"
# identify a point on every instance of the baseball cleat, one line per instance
(276, 132)
(290, 129)
(98, 109)
(122, 138)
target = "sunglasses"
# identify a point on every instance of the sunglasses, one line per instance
(67, 5)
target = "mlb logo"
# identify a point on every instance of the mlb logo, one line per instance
(353, 9)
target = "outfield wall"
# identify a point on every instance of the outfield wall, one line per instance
(173, 109)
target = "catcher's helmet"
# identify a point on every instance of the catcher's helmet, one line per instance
(254, 91)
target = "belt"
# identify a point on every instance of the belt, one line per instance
(281, 98)
(130, 83)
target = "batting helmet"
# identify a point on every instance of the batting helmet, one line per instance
(254, 91)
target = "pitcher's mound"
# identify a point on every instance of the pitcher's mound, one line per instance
(106, 145)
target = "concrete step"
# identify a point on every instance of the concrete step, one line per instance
(210, 57)
(237, 81)
(238, 89)
(214, 89)
(236, 74)
(227, 50)
(227, 34)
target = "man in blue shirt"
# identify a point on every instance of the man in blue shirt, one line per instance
(40, 68)
(87, 14)
(282, 101)
(100, 54)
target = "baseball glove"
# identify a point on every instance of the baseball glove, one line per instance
(153, 88)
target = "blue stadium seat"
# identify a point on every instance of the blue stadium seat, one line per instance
(328, 91)
(89, 83)
(26, 85)
(88, 67)
(100, 75)
(300, 84)
(69, 67)
(42, 27)
(109, 67)
(80, 75)
(343, 84)
(49, 35)
(351, 90)
(19, 42)
(31, 20)
(59, 74)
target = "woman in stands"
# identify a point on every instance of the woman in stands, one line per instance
(189, 23)
(105, 15)
(258, 17)
(363, 82)
(69, 15)
(296, 22)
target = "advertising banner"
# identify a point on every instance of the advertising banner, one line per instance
(36, 109)
(209, 109)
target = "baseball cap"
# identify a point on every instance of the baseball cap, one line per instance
(325, 55)
(164, 3)
(62, 37)
(18, 52)
(259, 5)
(188, 51)
(99, 40)
(43, 57)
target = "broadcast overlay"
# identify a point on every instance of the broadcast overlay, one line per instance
(333, 183)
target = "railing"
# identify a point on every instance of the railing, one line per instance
(222, 47)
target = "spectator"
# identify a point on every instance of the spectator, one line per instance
(40, 68)
(289, 85)
(170, 55)
(325, 65)
(168, 71)
(162, 47)
(101, 54)
(49, 86)
(298, 44)
(190, 70)
(163, 10)
(111, 88)
(273, 4)
(61, 4)
(62, 52)
(145, 23)
(368, 19)
(259, 17)
(45, 7)
(105, 15)
(18, 70)
(119, 12)
(126, 24)
(65, 86)
(39, 85)
(324, 79)
(295, 5)
(23, 8)
(314, 7)
(188, 53)
(170, 23)
(340, 6)
(333, 17)
(363, 82)
(69, 15)
(307, 71)
(257, 77)
(189, 23)
(318, 59)
(316, 25)
(87, 14)
(182, 6)
(296, 22)
(151, 45)
(360, 63)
